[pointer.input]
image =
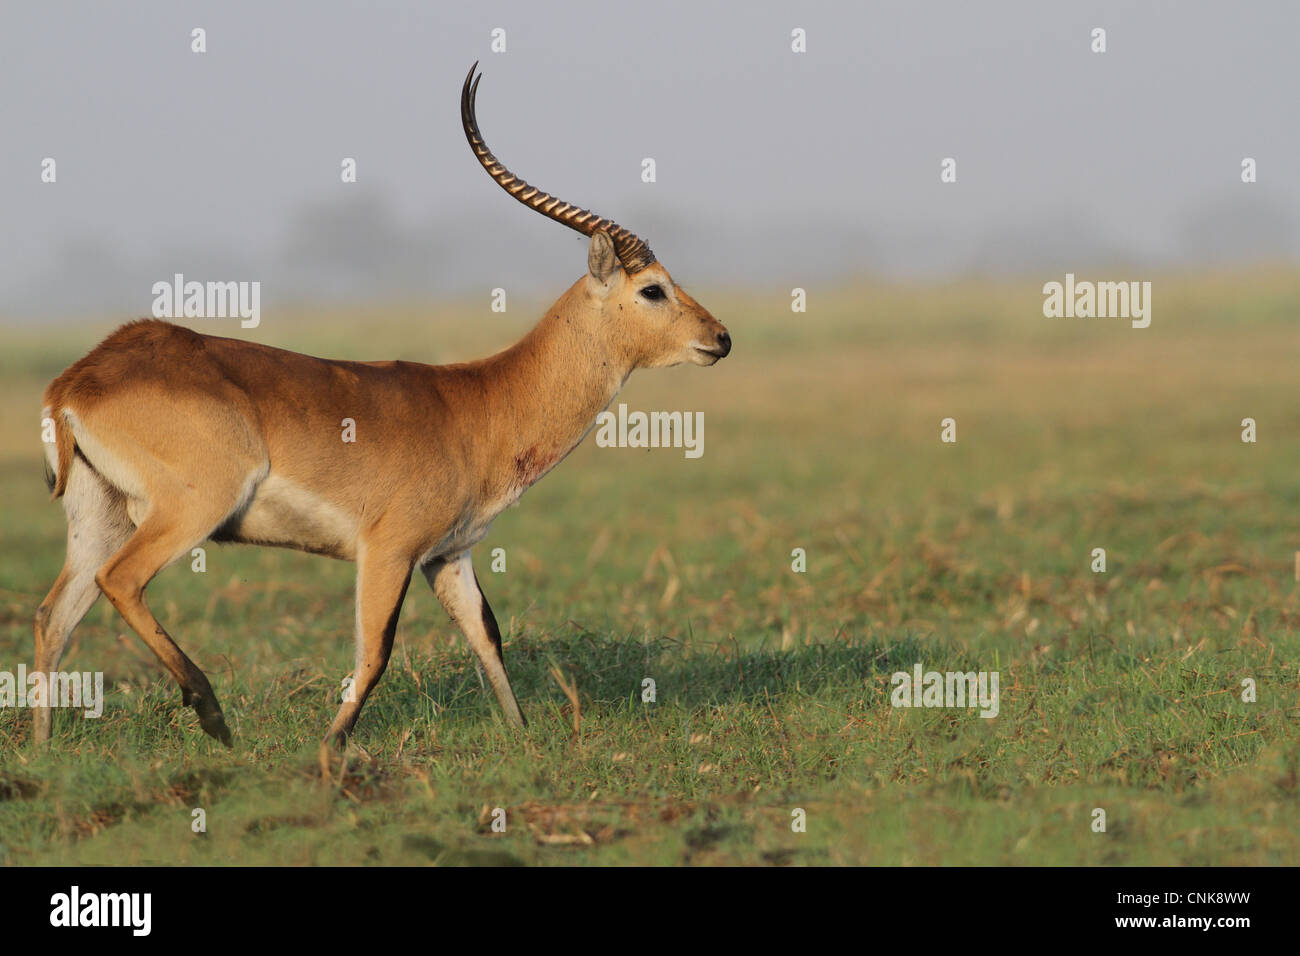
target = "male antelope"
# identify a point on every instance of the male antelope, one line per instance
(165, 438)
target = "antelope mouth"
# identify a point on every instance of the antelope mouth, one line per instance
(705, 356)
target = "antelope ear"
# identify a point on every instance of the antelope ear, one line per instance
(601, 259)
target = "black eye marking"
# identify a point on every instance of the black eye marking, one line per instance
(652, 292)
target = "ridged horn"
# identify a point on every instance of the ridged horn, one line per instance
(632, 251)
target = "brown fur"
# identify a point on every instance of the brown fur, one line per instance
(195, 436)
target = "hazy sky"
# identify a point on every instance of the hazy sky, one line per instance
(772, 167)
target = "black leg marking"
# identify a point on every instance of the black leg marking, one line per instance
(490, 621)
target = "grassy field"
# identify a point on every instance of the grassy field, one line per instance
(1119, 690)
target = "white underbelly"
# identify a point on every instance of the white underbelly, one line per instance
(288, 515)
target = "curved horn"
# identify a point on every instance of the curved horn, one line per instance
(632, 251)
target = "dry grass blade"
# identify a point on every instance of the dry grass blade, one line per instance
(570, 689)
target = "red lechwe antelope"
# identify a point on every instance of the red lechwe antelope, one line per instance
(165, 438)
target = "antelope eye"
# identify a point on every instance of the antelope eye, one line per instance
(652, 292)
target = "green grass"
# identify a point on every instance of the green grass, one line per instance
(1119, 691)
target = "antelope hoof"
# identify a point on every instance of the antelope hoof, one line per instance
(331, 756)
(212, 721)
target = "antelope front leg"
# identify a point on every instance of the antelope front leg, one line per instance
(453, 581)
(381, 586)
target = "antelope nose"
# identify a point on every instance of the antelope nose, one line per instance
(724, 343)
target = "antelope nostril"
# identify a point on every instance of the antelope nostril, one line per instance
(724, 340)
